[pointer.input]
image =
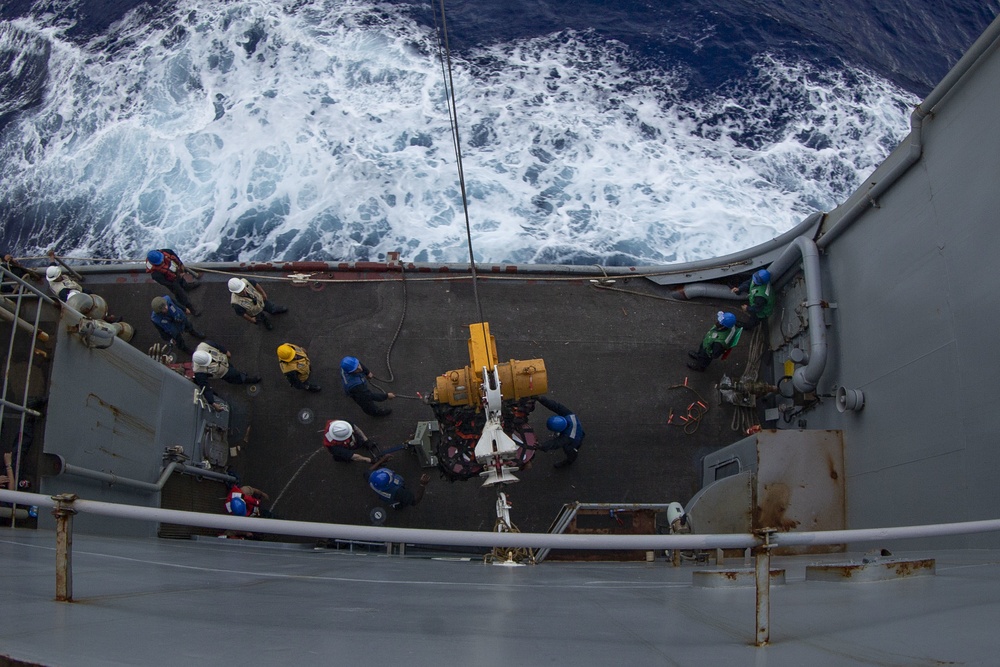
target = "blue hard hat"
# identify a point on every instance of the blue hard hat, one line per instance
(727, 320)
(762, 277)
(238, 507)
(380, 479)
(556, 423)
(349, 364)
(154, 257)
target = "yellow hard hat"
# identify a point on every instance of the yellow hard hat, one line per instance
(286, 352)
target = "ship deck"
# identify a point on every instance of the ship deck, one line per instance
(617, 357)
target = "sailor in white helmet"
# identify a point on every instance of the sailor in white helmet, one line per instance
(210, 361)
(250, 302)
(343, 440)
(61, 284)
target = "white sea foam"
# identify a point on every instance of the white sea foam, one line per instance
(249, 130)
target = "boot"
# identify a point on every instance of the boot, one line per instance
(313, 388)
(278, 310)
(254, 379)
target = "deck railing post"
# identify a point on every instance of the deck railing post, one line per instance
(63, 512)
(762, 557)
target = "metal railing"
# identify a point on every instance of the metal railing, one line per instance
(65, 506)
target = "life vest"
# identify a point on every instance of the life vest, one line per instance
(763, 292)
(62, 283)
(172, 321)
(350, 443)
(249, 299)
(169, 267)
(573, 430)
(728, 337)
(252, 503)
(353, 380)
(219, 365)
(299, 363)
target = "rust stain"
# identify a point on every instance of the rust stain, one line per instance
(770, 511)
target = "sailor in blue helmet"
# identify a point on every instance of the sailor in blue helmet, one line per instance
(718, 341)
(355, 376)
(568, 431)
(245, 501)
(166, 268)
(760, 298)
(392, 488)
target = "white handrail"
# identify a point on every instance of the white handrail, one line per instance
(491, 539)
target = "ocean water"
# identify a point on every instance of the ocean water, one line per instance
(592, 132)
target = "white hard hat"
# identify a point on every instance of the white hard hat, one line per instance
(674, 512)
(201, 357)
(339, 430)
(53, 272)
(236, 285)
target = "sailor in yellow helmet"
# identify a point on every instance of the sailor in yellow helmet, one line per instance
(295, 366)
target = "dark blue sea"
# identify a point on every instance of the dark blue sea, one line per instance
(614, 132)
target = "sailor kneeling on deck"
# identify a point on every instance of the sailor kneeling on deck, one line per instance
(245, 501)
(343, 440)
(391, 486)
(295, 366)
(210, 361)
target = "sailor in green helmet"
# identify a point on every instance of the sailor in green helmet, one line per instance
(720, 339)
(760, 298)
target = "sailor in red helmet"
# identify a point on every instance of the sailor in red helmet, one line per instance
(343, 440)
(166, 268)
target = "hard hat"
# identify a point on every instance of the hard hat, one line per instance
(238, 506)
(236, 285)
(762, 277)
(158, 303)
(339, 431)
(154, 257)
(349, 364)
(286, 352)
(556, 423)
(53, 272)
(380, 479)
(727, 320)
(674, 512)
(201, 357)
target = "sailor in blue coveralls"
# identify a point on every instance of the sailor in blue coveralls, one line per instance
(391, 486)
(568, 429)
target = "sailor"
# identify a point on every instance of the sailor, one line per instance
(355, 376)
(245, 501)
(760, 299)
(568, 431)
(250, 302)
(210, 361)
(166, 268)
(391, 487)
(14, 267)
(60, 284)
(718, 341)
(171, 321)
(343, 440)
(295, 366)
